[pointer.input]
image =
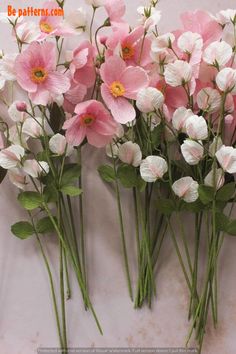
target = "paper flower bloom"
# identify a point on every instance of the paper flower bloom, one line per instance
(226, 157)
(120, 84)
(178, 73)
(17, 111)
(209, 100)
(153, 168)
(226, 80)
(149, 100)
(36, 73)
(58, 145)
(180, 117)
(217, 53)
(192, 151)
(186, 188)
(130, 153)
(215, 178)
(92, 121)
(35, 168)
(11, 156)
(196, 127)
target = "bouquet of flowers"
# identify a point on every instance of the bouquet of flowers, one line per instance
(162, 106)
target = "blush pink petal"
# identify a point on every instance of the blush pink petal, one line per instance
(121, 109)
(115, 9)
(145, 58)
(104, 127)
(41, 96)
(133, 79)
(57, 83)
(111, 70)
(85, 76)
(97, 139)
(76, 134)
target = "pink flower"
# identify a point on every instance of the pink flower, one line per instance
(132, 48)
(121, 83)
(73, 96)
(82, 64)
(36, 73)
(116, 11)
(92, 121)
(201, 22)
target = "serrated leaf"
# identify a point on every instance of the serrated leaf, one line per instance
(30, 200)
(44, 226)
(71, 173)
(226, 192)
(22, 229)
(107, 173)
(166, 206)
(206, 194)
(72, 191)
(127, 176)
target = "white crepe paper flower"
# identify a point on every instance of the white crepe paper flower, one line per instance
(17, 114)
(35, 168)
(17, 177)
(150, 17)
(186, 188)
(226, 80)
(180, 117)
(217, 53)
(215, 178)
(112, 149)
(27, 32)
(130, 153)
(76, 20)
(149, 99)
(188, 42)
(178, 73)
(196, 127)
(7, 72)
(209, 99)
(11, 156)
(162, 42)
(226, 157)
(32, 127)
(58, 145)
(226, 16)
(153, 168)
(215, 146)
(192, 151)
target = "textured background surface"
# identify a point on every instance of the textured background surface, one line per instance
(26, 316)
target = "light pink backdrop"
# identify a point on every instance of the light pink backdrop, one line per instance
(26, 315)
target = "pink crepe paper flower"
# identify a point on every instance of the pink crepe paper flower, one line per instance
(82, 64)
(92, 121)
(121, 83)
(116, 11)
(201, 22)
(230, 129)
(133, 50)
(36, 73)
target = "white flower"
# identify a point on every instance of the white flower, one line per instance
(150, 17)
(192, 151)
(33, 127)
(196, 127)
(27, 32)
(130, 153)
(4, 18)
(11, 156)
(226, 157)
(112, 149)
(162, 42)
(7, 72)
(215, 146)
(215, 178)
(95, 3)
(189, 41)
(17, 177)
(35, 168)
(209, 99)
(180, 117)
(149, 99)
(162, 57)
(15, 114)
(218, 53)
(76, 20)
(226, 80)
(226, 16)
(153, 168)
(15, 136)
(186, 188)
(58, 145)
(178, 73)
(153, 119)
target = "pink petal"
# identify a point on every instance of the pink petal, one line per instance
(76, 134)
(105, 127)
(41, 96)
(121, 109)
(115, 9)
(85, 76)
(70, 122)
(111, 70)
(97, 139)
(57, 83)
(133, 79)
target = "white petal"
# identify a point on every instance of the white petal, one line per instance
(217, 52)
(196, 127)
(186, 188)
(153, 168)
(192, 151)
(215, 178)
(178, 73)
(179, 118)
(130, 153)
(149, 99)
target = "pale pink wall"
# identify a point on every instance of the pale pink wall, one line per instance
(26, 316)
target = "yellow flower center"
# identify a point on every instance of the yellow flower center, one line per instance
(38, 75)
(117, 89)
(127, 51)
(45, 27)
(87, 119)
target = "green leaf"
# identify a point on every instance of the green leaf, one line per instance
(22, 229)
(231, 228)
(222, 222)
(3, 173)
(127, 176)
(226, 192)
(206, 194)
(166, 206)
(30, 200)
(156, 135)
(72, 191)
(141, 184)
(194, 207)
(71, 173)
(57, 118)
(50, 193)
(44, 226)
(107, 173)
